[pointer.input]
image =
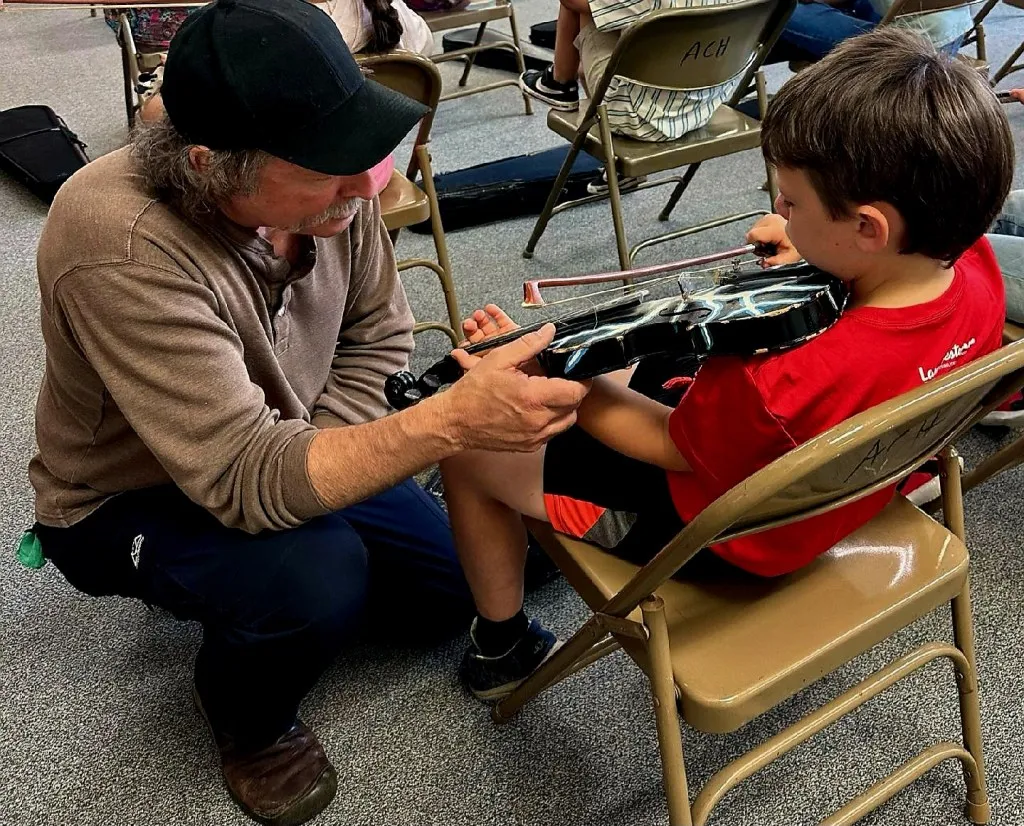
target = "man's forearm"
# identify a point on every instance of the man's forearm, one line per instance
(349, 464)
(630, 423)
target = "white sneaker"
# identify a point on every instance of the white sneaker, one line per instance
(1004, 418)
(930, 490)
(625, 184)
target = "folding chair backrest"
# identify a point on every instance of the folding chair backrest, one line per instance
(908, 8)
(864, 454)
(411, 74)
(696, 47)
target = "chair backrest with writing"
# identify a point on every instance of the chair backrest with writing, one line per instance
(699, 46)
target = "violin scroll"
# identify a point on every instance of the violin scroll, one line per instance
(403, 389)
(400, 390)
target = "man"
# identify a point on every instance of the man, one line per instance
(221, 307)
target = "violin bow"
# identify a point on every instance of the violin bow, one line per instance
(531, 289)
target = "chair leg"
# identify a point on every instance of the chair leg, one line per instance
(978, 808)
(556, 190)
(1010, 456)
(551, 670)
(471, 58)
(614, 196)
(1007, 67)
(520, 62)
(129, 91)
(440, 245)
(762, 107)
(677, 193)
(670, 742)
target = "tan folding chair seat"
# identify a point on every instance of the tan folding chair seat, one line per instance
(724, 647)
(850, 599)
(648, 52)
(479, 13)
(727, 132)
(403, 202)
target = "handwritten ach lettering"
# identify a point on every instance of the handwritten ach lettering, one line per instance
(710, 48)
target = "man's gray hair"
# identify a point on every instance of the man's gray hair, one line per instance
(162, 155)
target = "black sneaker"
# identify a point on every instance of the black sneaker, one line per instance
(544, 87)
(493, 678)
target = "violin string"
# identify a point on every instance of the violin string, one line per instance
(686, 275)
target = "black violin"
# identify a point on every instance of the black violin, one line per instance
(746, 313)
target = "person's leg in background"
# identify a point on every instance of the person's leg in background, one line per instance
(1007, 239)
(816, 28)
(557, 84)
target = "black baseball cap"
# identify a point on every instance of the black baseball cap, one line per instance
(276, 75)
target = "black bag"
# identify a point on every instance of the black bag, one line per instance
(502, 59)
(543, 34)
(508, 188)
(37, 149)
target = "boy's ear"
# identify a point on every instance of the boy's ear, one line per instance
(874, 227)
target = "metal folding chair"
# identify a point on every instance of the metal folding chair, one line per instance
(403, 202)
(480, 12)
(649, 52)
(725, 648)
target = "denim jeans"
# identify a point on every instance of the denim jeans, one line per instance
(276, 607)
(1007, 239)
(816, 28)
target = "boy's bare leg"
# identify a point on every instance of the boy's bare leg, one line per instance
(566, 65)
(486, 494)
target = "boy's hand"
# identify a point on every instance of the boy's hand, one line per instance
(488, 322)
(771, 229)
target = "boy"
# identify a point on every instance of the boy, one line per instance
(892, 162)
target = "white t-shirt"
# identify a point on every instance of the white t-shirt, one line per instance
(353, 21)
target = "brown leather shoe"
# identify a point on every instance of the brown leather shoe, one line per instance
(285, 784)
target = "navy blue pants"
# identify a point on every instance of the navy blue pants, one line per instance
(278, 606)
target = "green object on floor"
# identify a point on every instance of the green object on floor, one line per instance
(30, 552)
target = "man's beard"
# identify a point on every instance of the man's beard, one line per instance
(335, 212)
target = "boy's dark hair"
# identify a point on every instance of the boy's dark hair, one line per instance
(885, 118)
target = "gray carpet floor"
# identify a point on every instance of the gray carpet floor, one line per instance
(96, 724)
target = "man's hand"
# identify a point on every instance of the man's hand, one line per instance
(486, 323)
(1017, 95)
(771, 229)
(496, 406)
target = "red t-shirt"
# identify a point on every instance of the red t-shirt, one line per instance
(740, 414)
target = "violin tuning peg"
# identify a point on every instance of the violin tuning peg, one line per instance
(400, 390)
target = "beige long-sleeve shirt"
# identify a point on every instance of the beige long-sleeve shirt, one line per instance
(192, 354)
